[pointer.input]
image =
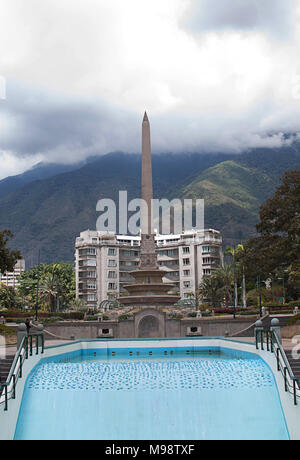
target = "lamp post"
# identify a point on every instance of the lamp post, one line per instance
(37, 290)
(259, 294)
(235, 288)
(283, 290)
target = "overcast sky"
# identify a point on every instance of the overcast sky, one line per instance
(77, 75)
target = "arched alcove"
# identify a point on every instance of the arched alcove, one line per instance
(148, 327)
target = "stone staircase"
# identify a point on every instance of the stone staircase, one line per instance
(294, 363)
(5, 365)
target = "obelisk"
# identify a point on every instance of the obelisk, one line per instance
(148, 290)
(148, 258)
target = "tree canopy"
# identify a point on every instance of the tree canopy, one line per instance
(56, 285)
(8, 258)
(277, 245)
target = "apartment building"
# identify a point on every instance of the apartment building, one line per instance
(11, 278)
(103, 262)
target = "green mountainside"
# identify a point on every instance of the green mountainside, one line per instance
(232, 195)
(48, 214)
(234, 190)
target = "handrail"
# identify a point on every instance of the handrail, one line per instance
(14, 363)
(273, 342)
(237, 334)
(8, 388)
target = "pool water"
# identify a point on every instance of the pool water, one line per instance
(164, 394)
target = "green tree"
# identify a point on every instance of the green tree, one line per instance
(217, 287)
(225, 278)
(208, 290)
(78, 305)
(294, 279)
(8, 258)
(277, 245)
(8, 297)
(232, 252)
(240, 250)
(49, 290)
(56, 278)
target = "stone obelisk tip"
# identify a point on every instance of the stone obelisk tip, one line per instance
(145, 117)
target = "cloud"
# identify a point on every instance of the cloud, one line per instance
(273, 17)
(80, 74)
(63, 129)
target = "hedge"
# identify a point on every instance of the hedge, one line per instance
(15, 314)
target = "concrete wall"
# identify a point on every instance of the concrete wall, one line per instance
(288, 332)
(210, 327)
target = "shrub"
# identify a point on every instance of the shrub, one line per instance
(294, 303)
(91, 318)
(124, 317)
(22, 315)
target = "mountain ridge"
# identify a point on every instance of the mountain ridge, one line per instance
(48, 214)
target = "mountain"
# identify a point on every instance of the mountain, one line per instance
(39, 171)
(48, 214)
(234, 190)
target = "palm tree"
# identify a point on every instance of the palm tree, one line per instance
(240, 251)
(224, 278)
(78, 305)
(208, 289)
(232, 252)
(49, 290)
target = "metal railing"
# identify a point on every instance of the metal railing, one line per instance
(26, 349)
(270, 339)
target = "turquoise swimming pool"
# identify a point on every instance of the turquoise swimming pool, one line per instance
(136, 394)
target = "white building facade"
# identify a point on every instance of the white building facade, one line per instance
(11, 278)
(103, 262)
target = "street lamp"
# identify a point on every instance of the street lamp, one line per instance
(259, 293)
(37, 290)
(283, 290)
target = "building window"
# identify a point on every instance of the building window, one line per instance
(168, 253)
(128, 264)
(87, 251)
(111, 251)
(112, 286)
(205, 260)
(205, 249)
(112, 274)
(187, 284)
(186, 250)
(112, 263)
(88, 263)
(91, 286)
(206, 271)
(186, 261)
(91, 274)
(91, 297)
(186, 272)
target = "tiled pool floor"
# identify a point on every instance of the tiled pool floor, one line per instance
(205, 397)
